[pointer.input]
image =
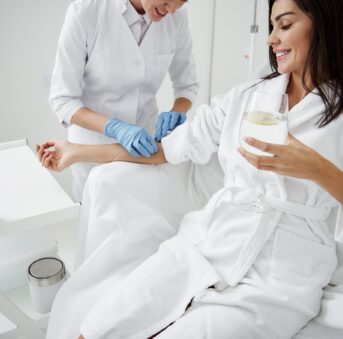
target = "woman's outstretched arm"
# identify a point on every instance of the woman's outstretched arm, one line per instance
(57, 155)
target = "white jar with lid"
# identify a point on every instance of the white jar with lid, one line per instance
(46, 276)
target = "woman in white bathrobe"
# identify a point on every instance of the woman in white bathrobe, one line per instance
(229, 273)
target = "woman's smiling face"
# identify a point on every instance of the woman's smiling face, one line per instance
(158, 9)
(291, 36)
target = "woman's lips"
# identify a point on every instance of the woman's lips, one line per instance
(159, 13)
(280, 55)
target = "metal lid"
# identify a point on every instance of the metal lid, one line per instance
(46, 271)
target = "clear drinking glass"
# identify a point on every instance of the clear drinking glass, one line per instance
(265, 119)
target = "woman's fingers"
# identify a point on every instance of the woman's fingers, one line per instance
(258, 161)
(40, 151)
(295, 159)
(264, 146)
(46, 161)
(45, 149)
(52, 154)
(51, 162)
(267, 163)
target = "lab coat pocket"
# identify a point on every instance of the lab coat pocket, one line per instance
(162, 65)
(300, 262)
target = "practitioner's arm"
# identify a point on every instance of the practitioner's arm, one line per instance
(299, 161)
(57, 155)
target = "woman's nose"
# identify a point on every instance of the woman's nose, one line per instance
(272, 39)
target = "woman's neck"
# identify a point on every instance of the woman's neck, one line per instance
(295, 89)
(137, 4)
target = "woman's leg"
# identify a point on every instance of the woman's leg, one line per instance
(153, 295)
(314, 330)
(121, 197)
(210, 321)
(275, 298)
(115, 191)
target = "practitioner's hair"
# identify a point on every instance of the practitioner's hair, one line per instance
(324, 62)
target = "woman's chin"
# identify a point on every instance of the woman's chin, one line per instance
(154, 17)
(282, 70)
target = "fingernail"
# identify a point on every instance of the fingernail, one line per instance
(241, 151)
(247, 139)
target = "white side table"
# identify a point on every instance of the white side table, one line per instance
(30, 199)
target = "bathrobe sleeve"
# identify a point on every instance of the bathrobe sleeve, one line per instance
(182, 69)
(198, 139)
(68, 72)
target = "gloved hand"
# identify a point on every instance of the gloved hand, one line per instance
(167, 121)
(133, 138)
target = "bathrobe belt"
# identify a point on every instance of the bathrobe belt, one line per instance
(267, 202)
(300, 210)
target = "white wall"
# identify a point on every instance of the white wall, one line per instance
(29, 31)
(232, 40)
(201, 13)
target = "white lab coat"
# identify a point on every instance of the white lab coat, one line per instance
(265, 267)
(99, 65)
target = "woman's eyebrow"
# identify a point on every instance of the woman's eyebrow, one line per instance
(277, 18)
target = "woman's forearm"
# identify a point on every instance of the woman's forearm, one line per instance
(89, 119)
(330, 178)
(181, 105)
(113, 152)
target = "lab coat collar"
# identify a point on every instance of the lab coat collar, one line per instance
(122, 5)
(130, 13)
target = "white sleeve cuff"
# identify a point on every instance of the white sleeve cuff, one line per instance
(175, 145)
(189, 93)
(65, 111)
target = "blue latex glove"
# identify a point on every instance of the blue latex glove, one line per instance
(167, 121)
(133, 138)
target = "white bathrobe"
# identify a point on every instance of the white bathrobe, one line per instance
(264, 268)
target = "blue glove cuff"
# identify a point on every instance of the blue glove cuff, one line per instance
(110, 127)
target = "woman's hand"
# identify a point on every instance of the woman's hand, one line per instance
(294, 160)
(168, 121)
(56, 155)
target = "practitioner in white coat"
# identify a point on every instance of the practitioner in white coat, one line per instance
(111, 59)
(228, 272)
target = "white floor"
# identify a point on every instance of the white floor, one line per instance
(17, 318)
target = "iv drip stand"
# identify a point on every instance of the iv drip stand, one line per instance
(253, 32)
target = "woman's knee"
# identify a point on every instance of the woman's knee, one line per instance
(116, 178)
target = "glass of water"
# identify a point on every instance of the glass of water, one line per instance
(265, 119)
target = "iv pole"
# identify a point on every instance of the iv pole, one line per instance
(253, 32)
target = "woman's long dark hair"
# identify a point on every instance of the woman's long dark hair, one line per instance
(325, 59)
